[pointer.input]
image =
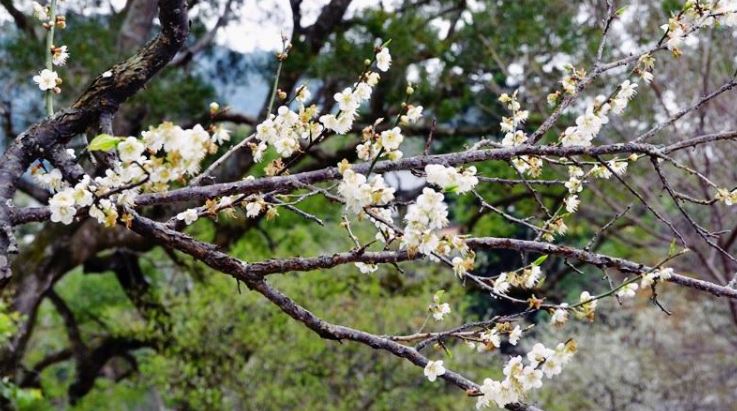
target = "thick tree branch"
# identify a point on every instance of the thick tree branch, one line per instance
(239, 270)
(104, 95)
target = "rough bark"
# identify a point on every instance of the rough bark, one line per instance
(104, 95)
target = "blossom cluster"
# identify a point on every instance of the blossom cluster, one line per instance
(577, 176)
(490, 340)
(360, 192)
(728, 197)
(531, 165)
(520, 378)
(450, 179)
(285, 130)
(694, 16)
(424, 218)
(629, 288)
(526, 277)
(589, 124)
(375, 144)
(164, 155)
(288, 129)
(48, 80)
(510, 125)
(438, 309)
(168, 154)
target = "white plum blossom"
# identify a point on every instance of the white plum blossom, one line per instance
(571, 202)
(530, 165)
(650, 278)
(450, 180)
(532, 276)
(628, 290)
(538, 354)
(428, 214)
(434, 369)
(618, 167)
(347, 101)
(130, 150)
(253, 208)
(491, 338)
(372, 78)
(552, 366)
(501, 284)
(303, 94)
(46, 80)
(383, 59)
(560, 315)
(367, 151)
(600, 171)
(588, 304)
(413, 114)
(60, 56)
(514, 367)
(574, 185)
(520, 378)
(589, 124)
(489, 392)
(258, 150)
(188, 216)
(62, 208)
(627, 90)
(460, 268)
(366, 268)
(220, 135)
(531, 378)
(53, 180)
(647, 76)
(515, 335)
(429, 210)
(575, 171)
(358, 192)
(81, 193)
(391, 139)
(440, 310)
(363, 92)
(515, 138)
(572, 137)
(340, 125)
(105, 212)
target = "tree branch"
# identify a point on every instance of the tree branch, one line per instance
(104, 95)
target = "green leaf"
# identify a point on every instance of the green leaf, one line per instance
(621, 10)
(540, 260)
(104, 142)
(672, 249)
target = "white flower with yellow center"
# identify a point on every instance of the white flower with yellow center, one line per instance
(130, 150)
(46, 79)
(383, 59)
(188, 216)
(434, 369)
(391, 139)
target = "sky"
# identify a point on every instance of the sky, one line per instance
(258, 24)
(261, 27)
